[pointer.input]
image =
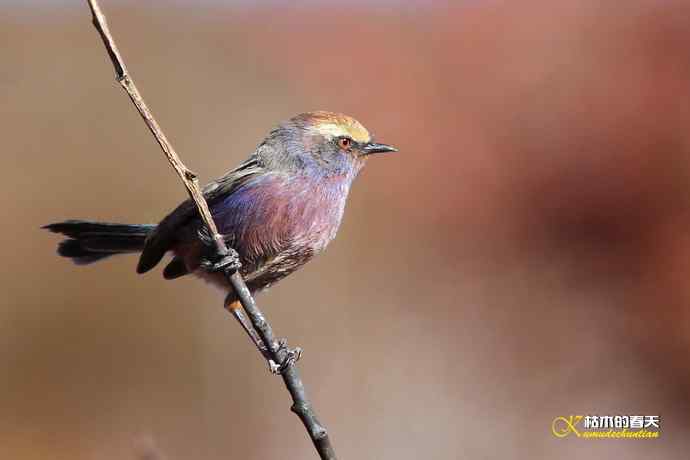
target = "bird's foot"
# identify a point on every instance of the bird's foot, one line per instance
(228, 263)
(212, 261)
(292, 355)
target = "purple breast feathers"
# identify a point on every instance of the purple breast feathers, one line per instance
(278, 223)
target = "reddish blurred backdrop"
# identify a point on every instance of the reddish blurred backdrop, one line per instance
(525, 256)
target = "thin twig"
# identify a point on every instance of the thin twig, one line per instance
(301, 404)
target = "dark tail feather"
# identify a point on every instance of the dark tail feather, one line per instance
(90, 242)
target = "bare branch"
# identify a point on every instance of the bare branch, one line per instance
(278, 354)
(188, 177)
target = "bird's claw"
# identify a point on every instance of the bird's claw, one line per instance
(292, 355)
(227, 263)
(215, 262)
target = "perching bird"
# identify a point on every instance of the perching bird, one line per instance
(278, 209)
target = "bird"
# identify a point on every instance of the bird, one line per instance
(278, 209)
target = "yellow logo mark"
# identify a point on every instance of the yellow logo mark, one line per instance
(562, 426)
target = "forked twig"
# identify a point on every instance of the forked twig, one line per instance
(279, 354)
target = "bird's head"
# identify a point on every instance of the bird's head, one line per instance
(323, 143)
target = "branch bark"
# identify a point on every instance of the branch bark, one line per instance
(279, 354)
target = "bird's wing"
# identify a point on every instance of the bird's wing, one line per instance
(164, 236)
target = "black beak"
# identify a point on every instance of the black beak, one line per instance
(373, 147)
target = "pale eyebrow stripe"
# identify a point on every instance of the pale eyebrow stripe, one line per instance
(334, 130)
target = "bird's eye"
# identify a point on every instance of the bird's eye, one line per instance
(345, 143)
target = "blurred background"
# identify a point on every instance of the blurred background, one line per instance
(525, 256)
